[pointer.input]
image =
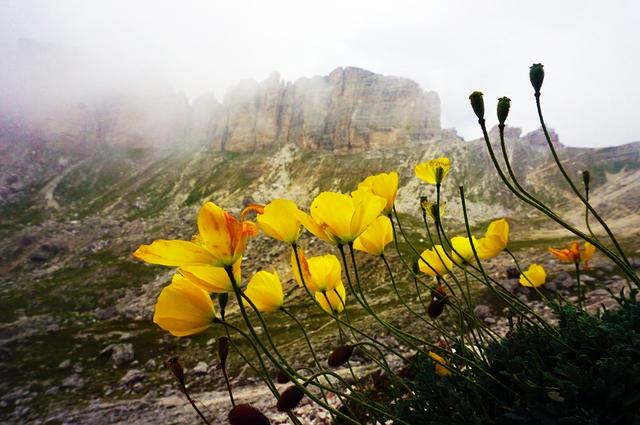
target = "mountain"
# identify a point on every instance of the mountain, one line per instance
(76, 308)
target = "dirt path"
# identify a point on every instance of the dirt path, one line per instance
(50, 187)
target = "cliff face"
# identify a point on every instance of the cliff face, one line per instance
(351, 108)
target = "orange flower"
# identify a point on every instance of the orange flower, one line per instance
(573, 254)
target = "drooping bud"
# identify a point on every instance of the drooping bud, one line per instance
(415, 267)
(176, 369)
(223, 351)
(536, 76)
(223, 299)
(281, 377)
(340, 355)
(244, 414)
(586, 179)
(504, 103)
(289, 399)
(477, 103)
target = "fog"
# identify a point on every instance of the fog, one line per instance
(56, 52)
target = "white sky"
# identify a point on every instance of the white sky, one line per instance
(590, 50)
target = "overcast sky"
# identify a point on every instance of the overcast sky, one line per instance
(590, 50)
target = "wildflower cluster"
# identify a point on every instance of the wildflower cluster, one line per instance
(209, 267)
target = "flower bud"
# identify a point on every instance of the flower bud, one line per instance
(223, 351)
(586, 179)
(504, 103)
(415, 267)
(536, 76)
(176, 369)
(223, 299)
(281, 377)
(477, 103)
(436, 307)
(244, 414)
(289, 399)
(340, 355)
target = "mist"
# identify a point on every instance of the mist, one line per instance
(56, 54)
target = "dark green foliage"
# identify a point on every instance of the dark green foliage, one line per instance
(588, 374)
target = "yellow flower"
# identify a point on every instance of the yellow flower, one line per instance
(183, 308)
(220, 243)
(437, 263)
(376, 237)
(340, 218)
(441, 370)
(384, 185)
(495, 239)
(210, 278)
(533, 277)
(336, 299)
(586, 254)
(265, 291)
(278, 220)
(321, 274)
(462, 251)
(433, 171)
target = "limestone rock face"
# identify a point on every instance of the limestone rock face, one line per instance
(351, 108)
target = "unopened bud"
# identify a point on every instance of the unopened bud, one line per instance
(504, 103)
(536, 76)
(289, 399)
(436, 307)
(586, 179)
(223, 351)
(244, 414)
(340, 355)
(477, 103)
(281, 377)
(415, 267)
(176, 369)
(223, 299)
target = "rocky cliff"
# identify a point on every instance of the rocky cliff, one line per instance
(349, 109)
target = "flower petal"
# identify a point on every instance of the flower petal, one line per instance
(173, 253)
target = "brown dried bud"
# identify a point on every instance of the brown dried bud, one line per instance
(340, 355)
(289, 399)
(223, 351)
(244, 414)
(281, 377)
(439, 299)
(176, 369)
(586, 179)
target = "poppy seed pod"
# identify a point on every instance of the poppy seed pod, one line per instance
(536, 76)
(289, 399)
(176, 369)
(223, 350)
(244, 414)
(477, 103)
(504, 103)
(340, 355)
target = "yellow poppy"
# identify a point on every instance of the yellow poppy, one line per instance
(534, 276)
(587, 253)
(220, 242)
(304, 266)
(336, 299)
(184, 309)
(462, 252)
(210, 278)
(384, 185)
(265, 291)
(376, 237)
(340, 218)
(321, 273)
(495, 239)
(278, 220)
(440, 363)
(437, 263)
(434, 170)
